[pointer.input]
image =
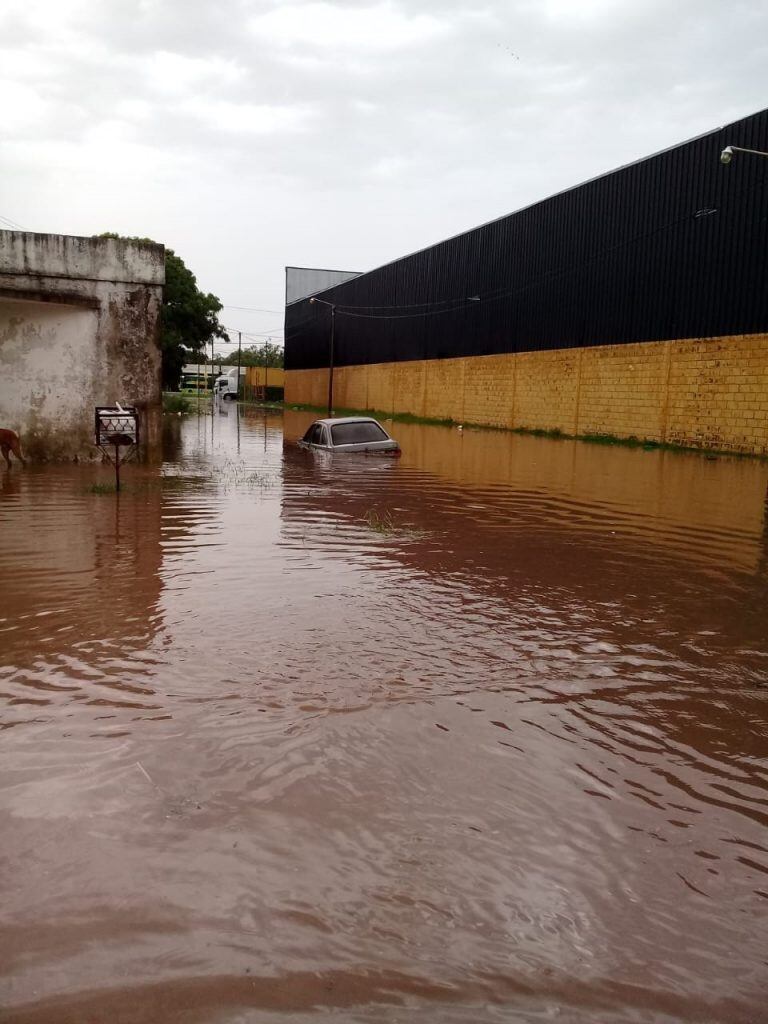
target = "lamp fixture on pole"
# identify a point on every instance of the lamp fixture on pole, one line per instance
(313, 301)
(727, 154)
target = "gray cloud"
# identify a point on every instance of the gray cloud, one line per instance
(254, 134)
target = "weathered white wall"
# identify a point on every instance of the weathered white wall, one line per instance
(33, 393)
(79, 325)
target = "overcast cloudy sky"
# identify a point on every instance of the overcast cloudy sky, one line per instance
(251, 134)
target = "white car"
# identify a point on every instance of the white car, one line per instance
(350, 434)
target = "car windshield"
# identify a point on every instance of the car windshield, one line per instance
(357, 433)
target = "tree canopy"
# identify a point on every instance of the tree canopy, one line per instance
(267, 354)
(189, 318)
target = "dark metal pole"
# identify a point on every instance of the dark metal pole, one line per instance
(330, 362)
(239, 347)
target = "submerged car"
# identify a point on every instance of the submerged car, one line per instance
(350, 434)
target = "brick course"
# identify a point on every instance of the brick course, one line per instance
(706, 393)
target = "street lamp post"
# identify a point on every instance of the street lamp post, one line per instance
(727, 155)
(332, 307)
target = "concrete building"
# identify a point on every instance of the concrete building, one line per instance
(632, 305)
(79, 327)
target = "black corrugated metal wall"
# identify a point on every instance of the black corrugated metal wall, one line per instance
(674, 246)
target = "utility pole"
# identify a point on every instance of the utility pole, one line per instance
(239, 349)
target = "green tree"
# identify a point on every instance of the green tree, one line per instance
(189, 317)
(267, 354)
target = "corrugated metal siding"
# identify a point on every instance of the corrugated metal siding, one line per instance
(303, 281)
(675, 246)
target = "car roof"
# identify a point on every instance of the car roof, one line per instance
(348, 419)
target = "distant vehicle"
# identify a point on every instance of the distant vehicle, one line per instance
(195, 382)
(225, 386)
(349, 435)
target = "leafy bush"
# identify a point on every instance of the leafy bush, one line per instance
(175, 402)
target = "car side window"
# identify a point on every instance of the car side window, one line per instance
(317, 432)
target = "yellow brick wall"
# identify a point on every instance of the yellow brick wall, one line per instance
(622, 390)
(718, 394)
(546, 390)
(409, 384)
(444, 392)
(381, 386)
(256, 375)
(489, 390)
(707, 393)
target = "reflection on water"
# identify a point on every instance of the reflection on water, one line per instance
(477, 734)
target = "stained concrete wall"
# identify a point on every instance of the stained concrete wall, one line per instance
(79, 327)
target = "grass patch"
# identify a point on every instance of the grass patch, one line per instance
(555, 434)
(384, 524)
(176, 402)
(379, 523)
(379, 414)
(253, 404)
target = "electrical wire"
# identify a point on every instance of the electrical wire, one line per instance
(502, 293)
(251, 335)
(408, 316)
(407, 305)
(253, 309)
(11, 223)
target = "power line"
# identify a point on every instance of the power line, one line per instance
(234, 330)
(467, 303)
(407, 305)
(254, 309)
(256, 337)
(11, 223)
(505, 292)
(253, 335)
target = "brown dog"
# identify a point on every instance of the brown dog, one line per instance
(9, 442)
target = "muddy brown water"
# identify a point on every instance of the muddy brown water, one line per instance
(474, 735)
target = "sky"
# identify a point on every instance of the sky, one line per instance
(248, 135)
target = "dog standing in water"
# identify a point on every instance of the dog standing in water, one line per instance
(9, 442)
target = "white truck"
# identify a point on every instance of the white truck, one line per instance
(225, 386)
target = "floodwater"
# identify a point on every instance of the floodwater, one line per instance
(479, 734)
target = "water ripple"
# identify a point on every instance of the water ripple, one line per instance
(476, 732)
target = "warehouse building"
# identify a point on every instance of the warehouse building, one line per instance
(634, 305)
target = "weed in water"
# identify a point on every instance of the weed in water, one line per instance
(384, 523)
(175, 402)
(380, 523)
